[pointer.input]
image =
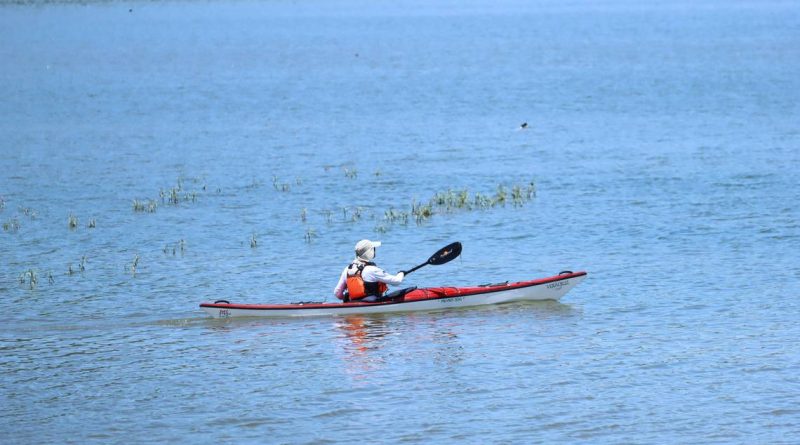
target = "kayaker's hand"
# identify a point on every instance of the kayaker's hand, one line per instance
(401, 275)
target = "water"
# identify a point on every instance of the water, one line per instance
(662, 140)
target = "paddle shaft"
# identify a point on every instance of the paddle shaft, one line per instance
(415, 268)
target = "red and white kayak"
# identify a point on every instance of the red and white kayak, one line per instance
(426, 299)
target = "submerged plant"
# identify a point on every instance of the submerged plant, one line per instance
(279, 186)
(12, 225)
(457, 200)
(135, 264)
(177, 194)
(148, 206)
(30, 276)
(29, 212)
(394, 216)
(501, 195)
(180, 245)
(310, 235)
(421, 212)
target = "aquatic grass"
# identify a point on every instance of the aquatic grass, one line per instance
(396, 216)
(350, 214)
(174, 195)
(179, 246)
(178, 194)
(81, 266)
(31, 277)
(501, 195)
(148, 206)
(310, 235)
(253, 241)
(520, 195)
(482, 201)
(92, 224)
(351, 174)
(134, 265)
(303, 214)
(72, 222)
(254, 184)
(12, 225)
(29, 212)
(356, 214)
(458, 200)
(280, 186)
(421, 212)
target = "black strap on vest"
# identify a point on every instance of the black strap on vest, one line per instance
(370, 287)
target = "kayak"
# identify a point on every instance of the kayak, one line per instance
(411, 299)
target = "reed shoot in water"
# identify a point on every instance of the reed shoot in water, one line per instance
(135, 264)
(12, 225)
(148, 206)
(310, 235)
(31, 277)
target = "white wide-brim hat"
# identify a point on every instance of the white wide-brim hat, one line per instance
(364, 246)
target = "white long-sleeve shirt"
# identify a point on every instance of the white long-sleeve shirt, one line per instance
(370, 274)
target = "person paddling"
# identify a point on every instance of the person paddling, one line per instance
(362, 280)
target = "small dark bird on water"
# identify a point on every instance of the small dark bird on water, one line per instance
(524, 125)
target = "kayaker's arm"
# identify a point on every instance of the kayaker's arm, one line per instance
(376, 274)
(338, 291)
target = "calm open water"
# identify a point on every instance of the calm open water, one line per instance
(663, 141)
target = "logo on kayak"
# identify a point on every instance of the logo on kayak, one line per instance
(451, 300)
(224, 313)
(558, 284)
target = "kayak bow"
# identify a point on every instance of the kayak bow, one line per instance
(425, 299)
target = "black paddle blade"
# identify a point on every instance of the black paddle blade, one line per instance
(446, 254)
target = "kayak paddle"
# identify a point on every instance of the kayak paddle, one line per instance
(443, 255)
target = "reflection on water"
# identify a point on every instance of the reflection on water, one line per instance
(360, 338)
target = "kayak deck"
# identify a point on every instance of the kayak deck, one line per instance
(431, 298)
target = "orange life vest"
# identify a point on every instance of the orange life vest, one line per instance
(357, 288)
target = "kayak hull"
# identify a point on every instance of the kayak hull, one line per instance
(426, 299)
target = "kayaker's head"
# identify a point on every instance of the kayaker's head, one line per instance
(365, 250)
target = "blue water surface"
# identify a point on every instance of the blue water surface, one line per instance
(663, 142)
